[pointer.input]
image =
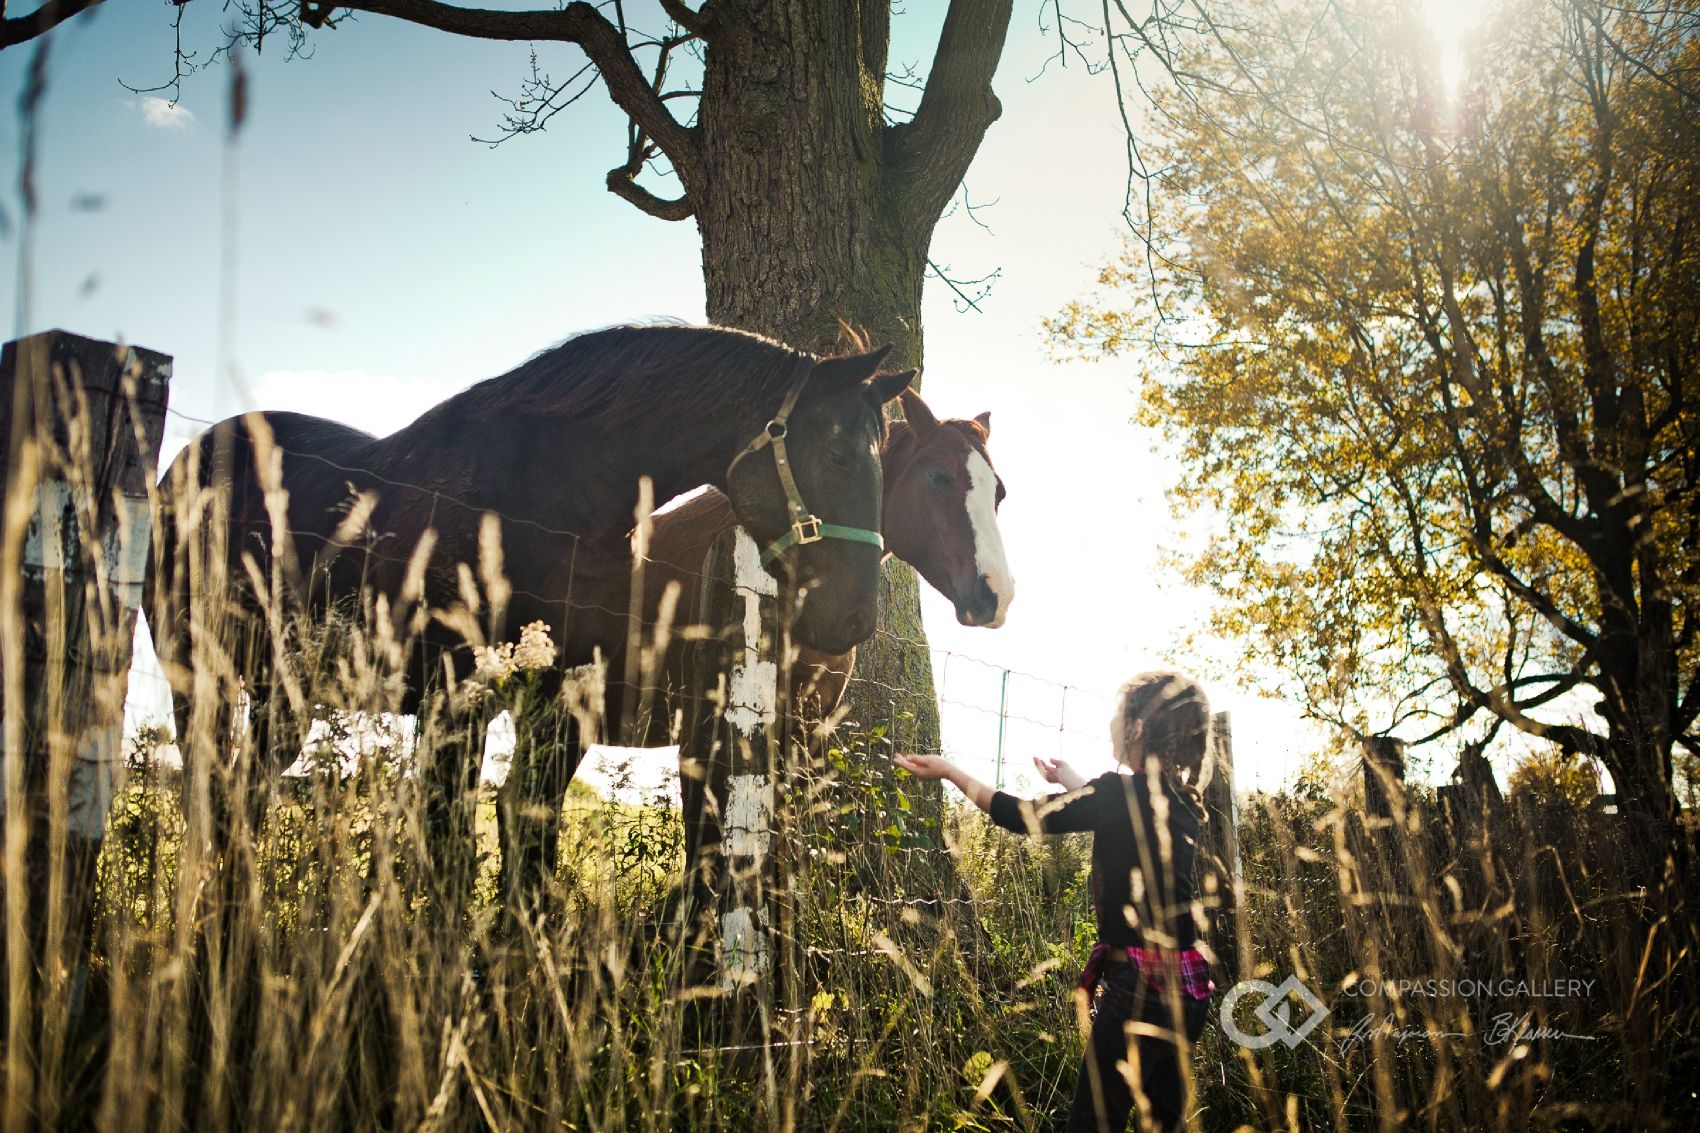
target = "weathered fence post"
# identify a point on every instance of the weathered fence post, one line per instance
(1222, 831)
(1384, 774)
(751, 713)
(1393, 859)
(1384, 809)
(732, 736)
(81, 423)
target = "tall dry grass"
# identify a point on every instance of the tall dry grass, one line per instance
(283, 955)
(1588, 1017)
(318, 992)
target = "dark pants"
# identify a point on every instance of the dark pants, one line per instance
(1102, 1098)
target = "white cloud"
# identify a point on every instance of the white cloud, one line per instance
(163, 114)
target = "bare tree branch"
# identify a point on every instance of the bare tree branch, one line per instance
(622, 185)
(931, 152)
(694, 21)
(539, 100)
(22, 29)
(182, 62)
(578, 23)
(1065, 45)
(964, 301)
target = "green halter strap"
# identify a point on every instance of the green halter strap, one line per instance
(806, 527)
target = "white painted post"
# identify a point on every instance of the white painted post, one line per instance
(752, 697)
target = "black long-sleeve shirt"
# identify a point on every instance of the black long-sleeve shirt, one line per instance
(1143, 862)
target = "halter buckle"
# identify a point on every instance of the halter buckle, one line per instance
(776, 430)
(807, 530)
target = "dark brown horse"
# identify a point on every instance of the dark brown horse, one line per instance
(940, 511)
(547, 459)
(941, 497)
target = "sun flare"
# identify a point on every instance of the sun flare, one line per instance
(1453, 26)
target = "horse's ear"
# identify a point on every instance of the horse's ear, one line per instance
(985, 420)
(852, 368)
(888, 386)
(915, 412)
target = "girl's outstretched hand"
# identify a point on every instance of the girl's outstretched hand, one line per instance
(1058, 772)
(924, 767)
(930, 767)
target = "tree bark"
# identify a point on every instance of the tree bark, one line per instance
(815, 215)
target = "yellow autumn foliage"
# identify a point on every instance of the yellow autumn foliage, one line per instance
(1430, 355)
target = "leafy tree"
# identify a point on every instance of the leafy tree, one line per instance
(1430, 354)
(1555, 778)
(815, 202)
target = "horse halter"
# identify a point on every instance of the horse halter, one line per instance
(806, 527)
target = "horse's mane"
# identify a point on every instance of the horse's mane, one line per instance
(619, 374)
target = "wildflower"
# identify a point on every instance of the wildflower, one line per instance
(493, 664)
(535, 649)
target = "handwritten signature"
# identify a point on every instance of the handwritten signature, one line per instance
(1503, 1029)
(1509, 1028)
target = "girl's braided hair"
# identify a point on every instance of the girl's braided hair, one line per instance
(1176, 718)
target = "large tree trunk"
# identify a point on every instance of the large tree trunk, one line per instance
(1646, 808)
(816, 215)
(808, 223)
(1637, 679)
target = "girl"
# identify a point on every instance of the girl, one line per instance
(1146, 823)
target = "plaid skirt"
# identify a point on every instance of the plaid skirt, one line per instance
(1156, 965)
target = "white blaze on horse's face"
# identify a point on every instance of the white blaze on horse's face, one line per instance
(989, 559)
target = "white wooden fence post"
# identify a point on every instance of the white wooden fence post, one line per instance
(752, 698)
(730, 738)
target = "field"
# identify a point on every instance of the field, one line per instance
(310, 982)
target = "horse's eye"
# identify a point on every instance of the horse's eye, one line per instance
(838, 457)
(939, 479)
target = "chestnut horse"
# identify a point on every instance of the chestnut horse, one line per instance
(547, 459)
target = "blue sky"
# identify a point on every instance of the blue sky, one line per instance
(354, 254)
